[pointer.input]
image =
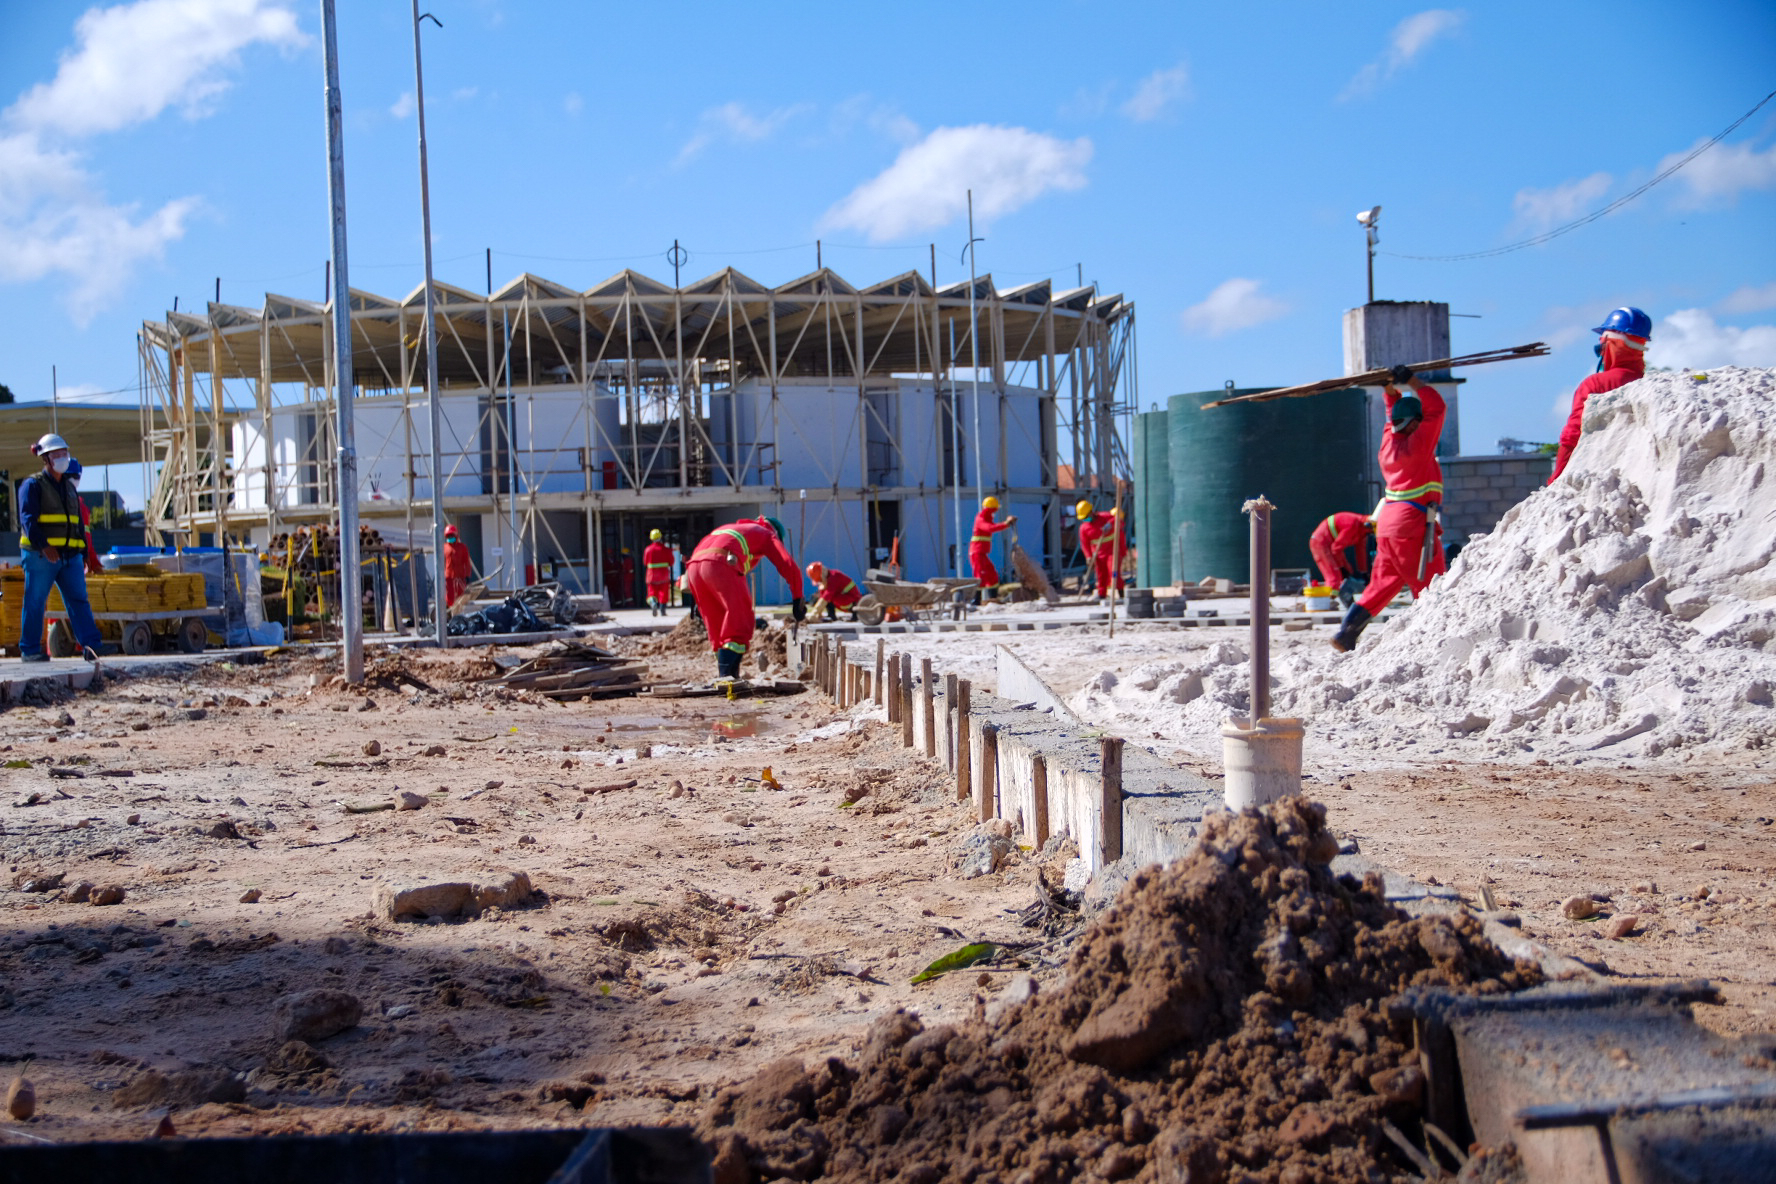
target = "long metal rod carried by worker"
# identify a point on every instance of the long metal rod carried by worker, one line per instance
(1381, 375)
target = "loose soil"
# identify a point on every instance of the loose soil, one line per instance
(686, 928)
(1226, 1018)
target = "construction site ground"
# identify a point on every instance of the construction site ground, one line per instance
(688, 928)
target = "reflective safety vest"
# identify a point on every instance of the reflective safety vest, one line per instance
(61, 525)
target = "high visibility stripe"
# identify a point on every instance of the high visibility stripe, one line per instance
(981, 538)
(1331, 528)
(56, 518)
(1406, 495)
(652, 566)
(747, 562)
(850, 586)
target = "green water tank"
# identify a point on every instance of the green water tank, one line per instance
(1153, 498)
(1308, 456)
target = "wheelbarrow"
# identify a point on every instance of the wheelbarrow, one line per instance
(912, 602)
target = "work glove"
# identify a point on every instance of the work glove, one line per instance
(798, 608)
(1011, 521)
(1402, 375)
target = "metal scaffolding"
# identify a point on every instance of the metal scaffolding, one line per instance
(652, 397)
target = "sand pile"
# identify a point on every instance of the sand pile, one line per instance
(1628, 610)
(1224, 1020)
(688, 637)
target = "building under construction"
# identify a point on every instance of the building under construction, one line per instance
(575, 422)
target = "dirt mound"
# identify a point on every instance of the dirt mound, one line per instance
(1224, 1020)
(689, 637)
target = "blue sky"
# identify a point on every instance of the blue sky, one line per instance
(1205, 160)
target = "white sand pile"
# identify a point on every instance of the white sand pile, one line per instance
(1629, 610)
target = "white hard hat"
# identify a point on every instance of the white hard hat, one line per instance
(49, 443)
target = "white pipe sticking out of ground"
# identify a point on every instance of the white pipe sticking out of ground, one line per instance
(1260, 755)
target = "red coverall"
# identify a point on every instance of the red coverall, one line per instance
(716, 576)
(1414, 481)
(1330, 539)
(980, 547)
(1622, 364)
(456, 570)
(839, 590)
(657, 559)
(93, 566)
(1099, 537)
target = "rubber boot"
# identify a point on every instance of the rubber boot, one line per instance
(1355, 621)
(727, 665)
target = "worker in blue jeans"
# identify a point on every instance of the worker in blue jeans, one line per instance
(52, 542)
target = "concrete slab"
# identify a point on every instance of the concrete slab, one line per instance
(17, 678)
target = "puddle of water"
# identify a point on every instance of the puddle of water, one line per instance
(738, 726)
(645, 723)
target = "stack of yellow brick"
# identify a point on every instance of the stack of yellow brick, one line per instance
(109, 592)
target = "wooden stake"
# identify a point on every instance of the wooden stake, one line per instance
(950, 720)
(964, 744)
(928, 706)
(1110, 799)
(989, 773)
(906, 701)
(893, 683)
(876, 683)
(1039, 782)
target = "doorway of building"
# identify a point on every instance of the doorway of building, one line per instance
(625, 537)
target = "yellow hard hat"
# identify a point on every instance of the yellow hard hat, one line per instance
(655, 535)
(1115, 511)
(990, 503)
(1082, 511)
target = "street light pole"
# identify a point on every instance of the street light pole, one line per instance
(351, 596)
(974, 354)
(433, 417)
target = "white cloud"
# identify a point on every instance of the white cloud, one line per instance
(54, 219)
(1723, 172)
(1157, 92)
(881, 118)
(733, 123)
(1235, 304)
(130, 63)
(1544, 208)
(926, 186)
(1088, 102)
(1689, 339)
(402, 107)
(135, 60)
(573, 104)
(1411, 37)
(463, 94)
(1749, 299)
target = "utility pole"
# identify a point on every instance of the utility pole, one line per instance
(351, 598)
(433, 417)
(974, 354)
(55, 402)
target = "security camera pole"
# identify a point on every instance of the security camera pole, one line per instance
(433, 418)
(351, 599)
(1371, 222)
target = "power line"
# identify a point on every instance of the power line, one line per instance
(1613, 206)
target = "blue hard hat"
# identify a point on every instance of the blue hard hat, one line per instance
(74, 469)
(1627, 320)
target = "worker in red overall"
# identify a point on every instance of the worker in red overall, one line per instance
(833, 590)
(716, 576)
(1414, 495)
(1100, 538)
(1340, 548)
(656, 559)
(72, 479)
(1621, 358)
(456, 567)
(980, 546)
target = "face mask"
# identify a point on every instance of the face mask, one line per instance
(60, 465)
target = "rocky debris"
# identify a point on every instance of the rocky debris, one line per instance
(1621, 926)
(451, 899)
(81, 893)
(372, 748)
(433, 750)
(224, 829)
(21, 1099)
(315, 1014)
(107, 894)
(984, 851)
(250, 896)
(186, 1087)
(1225, 1019)
(406, 799)
(297, 1056)
(1579, 908)
(48, 883)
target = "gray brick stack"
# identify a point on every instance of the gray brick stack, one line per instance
(1477, 490)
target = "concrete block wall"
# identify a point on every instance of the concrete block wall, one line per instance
(1162, 807)
(1477, 490)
